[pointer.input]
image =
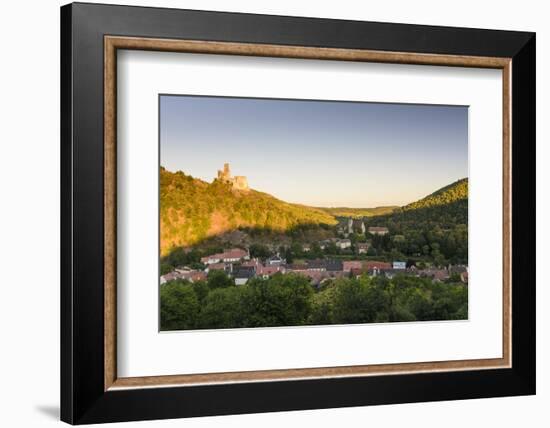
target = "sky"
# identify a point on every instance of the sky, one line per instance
(318, 153)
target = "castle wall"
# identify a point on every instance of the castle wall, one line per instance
(240, 182)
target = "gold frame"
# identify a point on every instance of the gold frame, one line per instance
(112, 43)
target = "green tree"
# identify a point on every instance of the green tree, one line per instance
(221, 309)
(201, 290)
(358, 302)
(259, 250)
(218, 279)
(322, 310)
(179, 306)
(281, 300)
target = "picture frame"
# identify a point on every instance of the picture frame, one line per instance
(91, 390)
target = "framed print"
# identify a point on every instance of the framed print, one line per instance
(265, 213)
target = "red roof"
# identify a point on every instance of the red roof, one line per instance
(269, 270)
(255, 263)
(217, 266)
(375, 264)
(234, 253)
(352, 264)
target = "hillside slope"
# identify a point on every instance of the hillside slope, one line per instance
(446, 208)
(434, 228)
(192, 210)
(446, 195)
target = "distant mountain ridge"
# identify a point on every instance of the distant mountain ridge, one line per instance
(359, 212)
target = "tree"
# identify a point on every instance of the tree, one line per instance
(289, 300)
(218, 279)
(201, 290)
(357, 302)
(165, 268)
(221, 309)
(315, 251)
(179, 306)
(322, 310)
(259, 250)
(281, 300)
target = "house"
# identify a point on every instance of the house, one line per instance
(343, 244)
(244, 274)
(348, 265)
(268, 271)
(322, 265)
(438, 275)
(369, 265)
(376, 230)
(230, 256)
(275, 261)
(253, 263)
(399, 265)
(306, 248)
(211, 259)
(170, 276)
(195, 276)
(226, 267)
(191, 276)
(362, 247)
(334, 265)
(316, 265)
(375, 268)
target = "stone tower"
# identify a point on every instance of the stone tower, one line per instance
(224, 174)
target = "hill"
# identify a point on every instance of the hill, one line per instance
(445, 207)
(435, 226)
(192, 210)
(446, 195)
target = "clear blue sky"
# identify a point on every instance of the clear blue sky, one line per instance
(320, 153)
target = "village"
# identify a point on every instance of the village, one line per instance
(238, 264)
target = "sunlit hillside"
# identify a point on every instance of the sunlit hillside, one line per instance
(192, 210)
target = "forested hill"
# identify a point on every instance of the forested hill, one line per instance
(446, 195)
(435, 226)
(446, 207)
(192, 210)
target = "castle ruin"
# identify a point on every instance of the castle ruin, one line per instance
(239, 182)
